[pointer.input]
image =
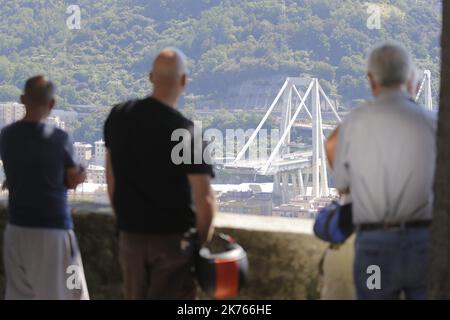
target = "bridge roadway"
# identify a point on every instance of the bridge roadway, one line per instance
(289, 162)
(309, 126)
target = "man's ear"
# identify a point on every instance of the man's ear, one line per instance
(22, 99)
(184, 80)
(372, 82)
(150, 77)
(52, 103)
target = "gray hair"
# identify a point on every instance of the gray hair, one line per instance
(390, 64)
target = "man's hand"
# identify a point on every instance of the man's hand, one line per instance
(75, 176)
(205, 204)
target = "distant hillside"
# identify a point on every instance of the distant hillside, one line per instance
(229, 43)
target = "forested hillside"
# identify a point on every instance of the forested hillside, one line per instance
(227, 42)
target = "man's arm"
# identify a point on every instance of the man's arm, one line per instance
(75, 173)
(205, 204)
(330, 147)
(109, 176)
(330, 150)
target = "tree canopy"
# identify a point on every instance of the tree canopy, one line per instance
(228, 42)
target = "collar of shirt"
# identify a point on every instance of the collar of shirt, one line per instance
(393, 94)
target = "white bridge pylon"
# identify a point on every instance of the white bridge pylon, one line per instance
(292, 91)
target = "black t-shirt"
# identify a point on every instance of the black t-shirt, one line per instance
(152, 192)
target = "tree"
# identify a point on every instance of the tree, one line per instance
(439, 275)
(228, 43)
(9, 92)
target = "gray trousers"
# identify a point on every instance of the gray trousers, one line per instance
(43, 264)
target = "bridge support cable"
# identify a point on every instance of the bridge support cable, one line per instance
(295, 173)
(264, 119)
(286, 131)
(329, 103)
(304, 105)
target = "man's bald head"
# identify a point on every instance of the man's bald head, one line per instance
(169, 67)
(169, 76)
(38, 92)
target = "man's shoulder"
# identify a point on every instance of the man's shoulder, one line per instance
(403, 111)
(146, 105)
(47, 131)
(148, 110)
(183, 121)
(60, 133)
(171, 117)
(362, 110)
(414, 113)
(11, 127)
(120, 110)
(5, 130)
(371, 107)
(124, 106)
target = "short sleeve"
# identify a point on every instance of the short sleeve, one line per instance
(69, 159)
(341, 163)
(200, 158)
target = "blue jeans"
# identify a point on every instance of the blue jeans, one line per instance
(402, 258)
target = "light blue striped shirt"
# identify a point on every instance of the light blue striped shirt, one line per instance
(386, 155)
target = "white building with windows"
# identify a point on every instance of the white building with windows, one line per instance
(96, 174)
(11, 112)
(69, 118)
(57, 122)
(64, 115)
(100, 153)
(82, 151)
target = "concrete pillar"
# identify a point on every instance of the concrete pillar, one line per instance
(294, 179)
(276, 184)
(285, 187)
(324, 191)
(316, 138)
(301, 183)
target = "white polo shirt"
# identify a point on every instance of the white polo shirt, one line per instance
(386, 155)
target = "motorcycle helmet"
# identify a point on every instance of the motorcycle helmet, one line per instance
(222, 273)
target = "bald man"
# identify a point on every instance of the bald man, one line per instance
(155, 200)
(40, 247)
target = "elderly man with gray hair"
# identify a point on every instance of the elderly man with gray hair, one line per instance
(384, 154)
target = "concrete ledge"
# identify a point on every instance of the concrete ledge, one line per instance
(264, 223)
(283, 260)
